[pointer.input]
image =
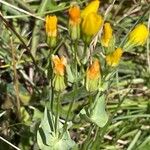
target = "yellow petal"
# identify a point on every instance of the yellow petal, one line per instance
(93, 72)
(91, 7)
(107, 34)
(139, 35)
(113, 59)
(59, 64)
(74, 14)
(91, 24)
(51, 25)
(93, 76)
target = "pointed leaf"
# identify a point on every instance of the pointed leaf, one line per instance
(98, 113)
(46, 137)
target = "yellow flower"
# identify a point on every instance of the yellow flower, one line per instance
(51, 30)
(51, 26)
(91, 24)
(90, 8)
(59, 71)
(107, 35)
(139, 35)
(113, 59)
(74, 14)
(59, 65)
(93, 72)
(74, 22)
(93, 76)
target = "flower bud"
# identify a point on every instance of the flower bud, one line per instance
(93, 76)
(90, 8)
(138, 35)
(91, 24)
(59, 72)
(113, 59)
(107, 35)
(74, 22)
(51, 30)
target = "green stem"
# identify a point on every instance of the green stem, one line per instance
(16, 81)
(88, 139)
(75, 88)
(90, 99)
(57, 115)
(84, 50)
(69, 111)
(91, 141)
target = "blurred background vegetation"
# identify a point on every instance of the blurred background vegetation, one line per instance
(23, 63)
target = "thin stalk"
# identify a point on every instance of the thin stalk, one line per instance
(148, 47)
(117, 83)
(25, 5)
(57, 115)
(4, 140)
(74, 87)
(84, 50)
(88, 139)
(50, 77)
(68, 113)
(92, 140)
(16, 86)
(90, 99)
(20, 10)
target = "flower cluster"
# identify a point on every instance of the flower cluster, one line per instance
(85, 24)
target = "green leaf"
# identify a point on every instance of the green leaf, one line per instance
(98, 113)
(25, 117)
(36, 113)
(70, 76)
(46, 137)
(41, 139)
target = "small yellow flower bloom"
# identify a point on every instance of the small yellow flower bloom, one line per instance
(107, 35)
(59, 65)
(91, 24)
(90, 8)
(93, 72)
(74, 22)
(93, 76)
(51, 26)
(59, 72)
(139, 35)
(74, 14)
(113, 59)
